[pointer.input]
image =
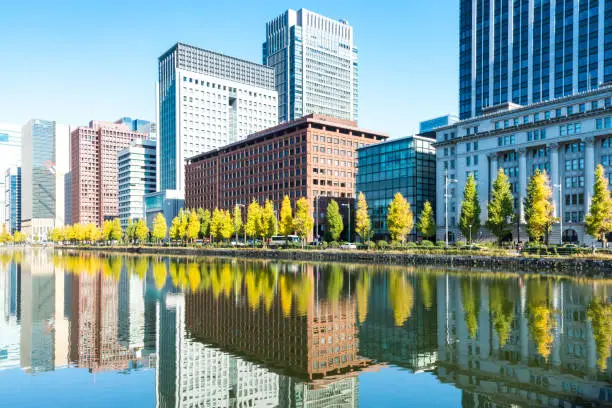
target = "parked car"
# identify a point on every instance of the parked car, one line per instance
(234, 243)
(348, 245)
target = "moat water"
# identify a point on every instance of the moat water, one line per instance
(90, 330)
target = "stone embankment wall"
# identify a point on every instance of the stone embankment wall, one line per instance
(564, 266)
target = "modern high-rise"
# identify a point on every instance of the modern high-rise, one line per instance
(10, 156)
(45, 159)
(207, 100)
(315, 63)
(525, 51)
(12, 199)
(140, 126)
(404, 165)
(137, 164)
(94, 169)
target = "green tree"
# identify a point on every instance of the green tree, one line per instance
(117, 231)
(226, 229)
(286, 217)
(107, 230)
(427, 223)
(130, 231)
(268, 225)
(204, 222)
(174, 229)
(399, 218)
(159, 227)
(216, 223)
(237, 220)
(538, 206)
(501, 207)
(598, 221)
(303, 221)
(363, 225)
(141, 231)
(333, 221)
(469, 220)
(193, 226)
(183, 224)
(253, 215)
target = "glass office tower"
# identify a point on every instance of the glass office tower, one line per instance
(12, 199)
(406, 165)
(526, 51)
(315, 63)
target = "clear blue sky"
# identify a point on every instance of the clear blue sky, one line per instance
(73, 61)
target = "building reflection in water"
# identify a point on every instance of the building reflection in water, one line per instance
(233, 333)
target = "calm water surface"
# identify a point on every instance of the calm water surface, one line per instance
(113, 331)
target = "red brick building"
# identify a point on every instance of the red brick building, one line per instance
(312, 156)
(94, 169)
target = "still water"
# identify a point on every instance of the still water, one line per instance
(113, 331)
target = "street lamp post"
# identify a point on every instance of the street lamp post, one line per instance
(447, 181)
(560, 187)
(349, 221)
(470, 234)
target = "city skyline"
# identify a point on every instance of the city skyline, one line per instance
(57, 84)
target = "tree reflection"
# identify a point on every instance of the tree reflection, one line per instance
(471, 306)
(159, 273)
(501, 304)
(363, 295)
(600, 315)
(541, 316)
(401, 297)
(427, 288)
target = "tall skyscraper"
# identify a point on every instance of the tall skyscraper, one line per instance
(316, 65)
(12, 199)
(10, 156)
(137, 165)
(526, 52)
(93, 170)
(45, 158)
(207, 100)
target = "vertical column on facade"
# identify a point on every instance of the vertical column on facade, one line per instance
(483, 183)
(589, 170)
(492, 171)
(522, 180)
(440, 180)
(554, 174)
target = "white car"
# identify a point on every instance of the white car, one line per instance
(348, 245)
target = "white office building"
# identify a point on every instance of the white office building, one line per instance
(207, 100)
(567, 137)
(137, 167)
(316, 65)
(10, 156)
(45, 158)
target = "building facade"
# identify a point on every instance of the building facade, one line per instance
(12, 199)
(10, 156)
(406, 165)
(430, 125)
(137, 165)
(567, 137)
(207, 100)
(45, 159)
(309, 157)
(527, 52)
(315, 62)
(94, 170)
(140, 126)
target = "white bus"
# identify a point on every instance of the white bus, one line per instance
(281, 240)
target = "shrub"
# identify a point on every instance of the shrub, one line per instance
(441, 244)
(372, 245)
(411, 244)
(396, 245)
(460, 244)
(426, 243)
(382, 244)
(334, 244)
(323, 245)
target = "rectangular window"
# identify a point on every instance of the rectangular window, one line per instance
(475, 146)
